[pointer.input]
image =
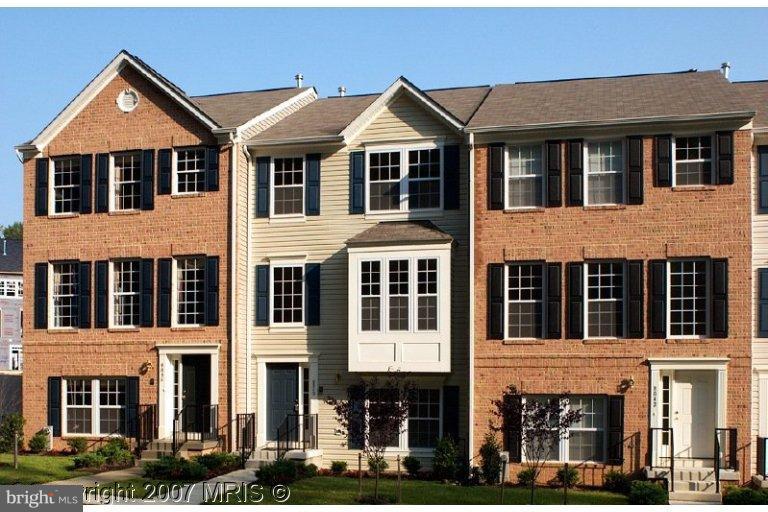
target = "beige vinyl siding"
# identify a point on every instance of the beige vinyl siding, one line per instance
(759, 260)
(322, 239)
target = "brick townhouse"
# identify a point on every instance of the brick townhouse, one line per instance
(612, 260)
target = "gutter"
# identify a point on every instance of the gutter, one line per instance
(232, 295)
(471, 375)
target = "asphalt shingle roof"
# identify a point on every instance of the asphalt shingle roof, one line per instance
(400, 232)
(236, 108)
(756, 93)
(11, 256)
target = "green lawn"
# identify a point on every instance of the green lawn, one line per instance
(343, 491)
(36, 469)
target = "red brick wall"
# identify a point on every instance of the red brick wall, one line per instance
(177, 226)
(712, 221)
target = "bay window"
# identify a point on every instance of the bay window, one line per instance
(404, 179)
(370, 296)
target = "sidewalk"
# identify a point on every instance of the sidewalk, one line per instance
(101, 478)
(194, 494)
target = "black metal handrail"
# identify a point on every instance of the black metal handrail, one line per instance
(652, 439)
(730, 454)
(762, 460)
(297, 432)
(195, 423)
(146, 425)
(246, 436)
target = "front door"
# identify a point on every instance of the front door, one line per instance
(196, 391)
(282, 395)
(693, 407)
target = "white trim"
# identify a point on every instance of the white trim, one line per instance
(112, 180)
(272, 185)
(471, 330)
(688, 363)
(587, 300)
(622, 173)
(311, 92)
(95, 406)
(708, 275)
(507, 176)
(11, 349)
(175, 170)
(287, 264)
(543, 266)
(712, 158)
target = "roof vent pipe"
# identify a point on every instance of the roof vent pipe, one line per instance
(299, 79)
(342, 91)
(5, 247)
(725, 69)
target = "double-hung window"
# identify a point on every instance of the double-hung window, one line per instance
(288, 188)
(524, 300)
(79, 406)
(404, 179)
(604, 173)
(424, 179)
(66, 185)
(605, 299)
(693, 160)
(384, 174)
(94, 406)
(125, 293)
(688, 302)
(370, 296)
(126, 181)
(190, 170)
(287, 294)
(399, 297)
(65, 295)
(525, 178)
(422, 427)
(190, 291)
(11, 288)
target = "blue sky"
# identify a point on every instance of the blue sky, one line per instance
(47, 56)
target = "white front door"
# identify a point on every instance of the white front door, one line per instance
(694, 413)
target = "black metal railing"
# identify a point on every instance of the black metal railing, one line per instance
(195, 423)
(297, 432)
(726, 452)
(762, 460)
(246, 436)
(146, 425)
(658, 437)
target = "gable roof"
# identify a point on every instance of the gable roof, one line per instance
(611, 100)
(11, 256)
(400, 232)
(235, 109)
(756, 93)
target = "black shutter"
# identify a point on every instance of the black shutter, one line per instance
(719, 299)
(575, 300)
(451, 412)
(262, 186)
(762, 179)
(554, 174)
(496, 177)
(451, 177)
(663, 161)
(356, 427)
(513, 426)
(635, 299)
(147, 293)
(762, 326)
(102, 295)
(86, 183)
(575, 173)
(724, 170)
(212, 290)
(212, 170)
(312, 282)
(357, 182)
(657, 299)
(262, 294)
(41, 186)
(84, 286)
(312, 191)
(164, 291)
(635, 170)
(553, 301)
(615, 430)
(495, 301)
(132, 407)
(54, 405)
(41, 295)
(164, 165)
(148, 179)
(102, 183)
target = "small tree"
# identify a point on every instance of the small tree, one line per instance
(374, 416)
(13, 231)
(542, 424)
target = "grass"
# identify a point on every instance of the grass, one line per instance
(343, 491)
(140, 487)
(37, 469)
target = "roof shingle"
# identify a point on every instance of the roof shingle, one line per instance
(237, 108)
(400, 232)
(11, 256)
(756, 93)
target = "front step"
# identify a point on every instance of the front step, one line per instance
(693, 496)
(159, 448)
(694, 486)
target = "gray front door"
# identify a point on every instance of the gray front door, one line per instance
(282, 395)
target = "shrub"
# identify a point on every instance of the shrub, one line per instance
(12, 424)
(490, 459)
(647, 493)
(219, 461)
(616, 481)
(444, 460)
(77, 444)
(568, 478)
(745, 496)
(168, 467)
(39, 441)
(116, 452)
(90, 460)
(306, 471)
(377, 464)
(525, 477)
(338, 467)
(412, 465)
(280, 472)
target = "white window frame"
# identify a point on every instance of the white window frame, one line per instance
(404, 178)
(287, 264)
(708, 299)
(508, 175)
(403, 437)
(712, 158)
(113, 181)
(175, 167)
(51, 285)
(95, 407)
(52, 185)
(175, 292)
(543, 267)
(272, 186)
(8, 285)
(621, 173)
(587, 300)
(20, 350)
(112, 294)
(380, 296)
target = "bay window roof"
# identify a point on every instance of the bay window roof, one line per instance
(400, 233)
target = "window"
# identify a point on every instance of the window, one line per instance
(424, 418)
(16, 361)
(370, 292)
(66, 185)
(79, 406)
(426, 294)
(404, 179)
(11, 288)
(190, 291)
(693, 160)
(125, 293)
(95, 406)
(126, 175)
(688, 298)
(65, 295)
(288, 295)
(605, 173)
(288, 189)
(525, 177)
(524, 301)
(190, 170)
(398, 295)
(762, 179)
(605, 300)
(112, 406)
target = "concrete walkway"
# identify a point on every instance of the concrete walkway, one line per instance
(102, 478)
(195, 494)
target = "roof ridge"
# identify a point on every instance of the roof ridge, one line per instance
(456, 88)
(691, 70)
(246, 92)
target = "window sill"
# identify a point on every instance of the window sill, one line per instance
(187, 328)
(531, 209)
(188, 194)
(125, 212)
(604, 341)
(523, 341)
(64, 330)
(693, 188)
(605, 207)
(63, 215)
(688, 341)
(288, 219)
(286, 328)
(123, 329)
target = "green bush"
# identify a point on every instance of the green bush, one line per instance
(338, 467)
(168, 467)
(219, 461)
(90, 460)
(616, 481)
(39, 441)
(11, 424)
(116, 452)
(647, 493)
(77, 444)
(568, 478)
(745, 496)
(377, 464)
(306, 471)
(444, 459)
(525, 477)
(280, 472)
(490, 459)
(412, 465)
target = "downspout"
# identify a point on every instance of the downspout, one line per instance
(248, 287)
(233, 287)
(471, 429)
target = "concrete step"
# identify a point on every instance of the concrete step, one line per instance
(693, 496)
(701, 474)
(694, 486)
